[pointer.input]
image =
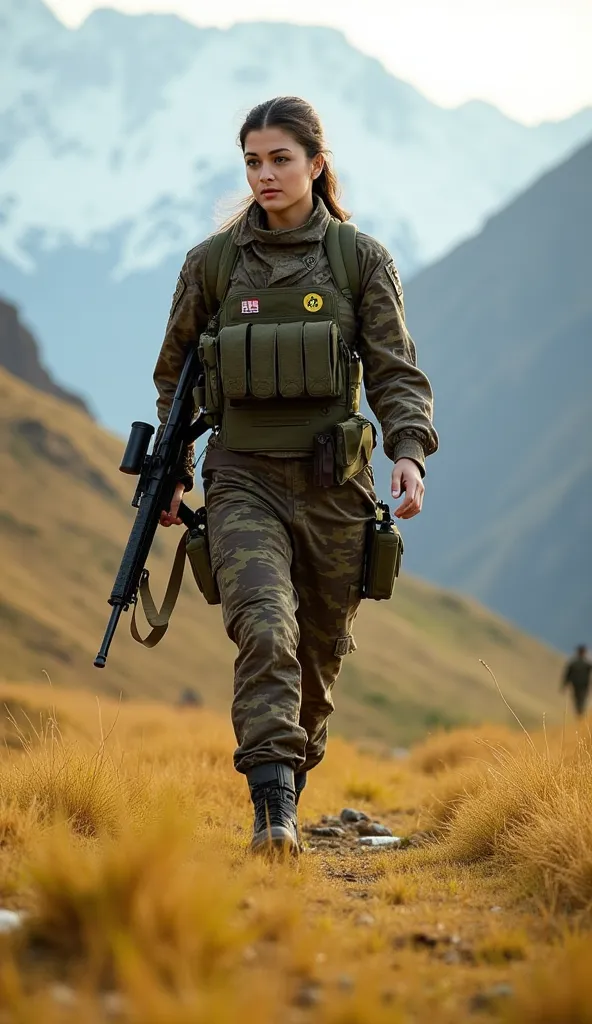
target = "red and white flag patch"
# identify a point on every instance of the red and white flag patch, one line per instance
(249, 305)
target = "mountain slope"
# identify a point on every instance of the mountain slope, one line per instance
(504, 327)
(118, 139)
(19, 354)
(64, 518)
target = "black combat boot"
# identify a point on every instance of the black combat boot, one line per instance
(299, 784)
(274, 799)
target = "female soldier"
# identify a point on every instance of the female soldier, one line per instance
(288, 490)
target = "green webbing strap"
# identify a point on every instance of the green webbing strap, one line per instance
(159, 620)
(342, 253)
(335, 257)
(220, 259)
(348, 235)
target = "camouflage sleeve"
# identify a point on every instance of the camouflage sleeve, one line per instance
(187, 320)
(398, 393)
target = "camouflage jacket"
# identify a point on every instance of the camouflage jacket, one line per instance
(398, 393)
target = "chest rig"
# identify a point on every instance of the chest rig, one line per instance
(280, 366)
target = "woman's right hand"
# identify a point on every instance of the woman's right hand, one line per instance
(171, 518)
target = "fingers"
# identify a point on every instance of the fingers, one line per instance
(412, 505)
(396, 482)
(168, 519)
(172, 518)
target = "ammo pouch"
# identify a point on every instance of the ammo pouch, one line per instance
(196, 546)
(274, 386)
(384, 549)
(287, 360)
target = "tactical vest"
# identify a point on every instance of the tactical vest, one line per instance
(280, 364)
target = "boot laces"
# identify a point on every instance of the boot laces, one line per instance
(274, 805)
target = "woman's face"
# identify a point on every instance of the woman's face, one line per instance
(279, 172)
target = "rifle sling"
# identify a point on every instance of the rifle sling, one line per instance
(159, 620)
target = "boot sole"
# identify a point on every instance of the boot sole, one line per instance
(275, 842)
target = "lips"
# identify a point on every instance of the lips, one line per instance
(270, 192)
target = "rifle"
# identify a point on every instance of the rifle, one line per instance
(156, 486)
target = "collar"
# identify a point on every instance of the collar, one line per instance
(251, 227)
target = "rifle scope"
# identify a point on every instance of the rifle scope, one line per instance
(136, 448)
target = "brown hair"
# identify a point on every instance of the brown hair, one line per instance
(301, 120)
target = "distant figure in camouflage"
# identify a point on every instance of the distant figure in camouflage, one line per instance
(577, 676)
(287, 509)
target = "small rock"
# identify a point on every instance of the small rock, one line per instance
(364, 921)
(64, 995)
(496, 910)
(326, 832)
(115, 1004)
(309, 994)
(372, 828)
(247, 903)
(380, 841)
(425, 939)
(345, 982)
(249, 954)
(349, 816)
(10, 920)
(487, 999)
(452, 957)
(331, 819)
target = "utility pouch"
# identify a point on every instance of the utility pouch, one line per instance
(384, 549)
(323, 460)
(355, 439)
(199, 558)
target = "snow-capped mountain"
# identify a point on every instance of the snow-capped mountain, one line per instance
(117, 141)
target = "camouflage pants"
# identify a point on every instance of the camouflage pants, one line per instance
(288, 558)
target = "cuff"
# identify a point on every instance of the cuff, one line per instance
(409, 448)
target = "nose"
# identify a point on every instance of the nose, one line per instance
(266, 173)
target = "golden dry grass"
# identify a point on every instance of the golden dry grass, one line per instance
(125, 839)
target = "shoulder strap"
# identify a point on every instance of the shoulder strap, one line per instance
(220, 259)
(159, 620)
(342, 253)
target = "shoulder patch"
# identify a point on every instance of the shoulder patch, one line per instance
(393, 273)
(178, 293)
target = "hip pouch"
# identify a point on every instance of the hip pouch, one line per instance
(354, 441)
(198, 553)
(384, 550)
(344, 452)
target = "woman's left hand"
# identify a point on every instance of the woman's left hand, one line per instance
(407, 477)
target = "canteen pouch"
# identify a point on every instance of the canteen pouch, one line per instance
(384, 550)
(354, 441)
(199, 558)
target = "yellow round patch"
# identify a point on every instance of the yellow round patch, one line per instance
(313, 302)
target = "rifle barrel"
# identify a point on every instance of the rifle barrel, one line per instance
(101, 658)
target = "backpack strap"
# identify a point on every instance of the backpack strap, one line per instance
(342, 253)
(220, 259)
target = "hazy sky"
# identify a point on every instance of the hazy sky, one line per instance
(531, 58)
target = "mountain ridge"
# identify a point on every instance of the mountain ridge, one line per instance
(19, 354)
(514, 411)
